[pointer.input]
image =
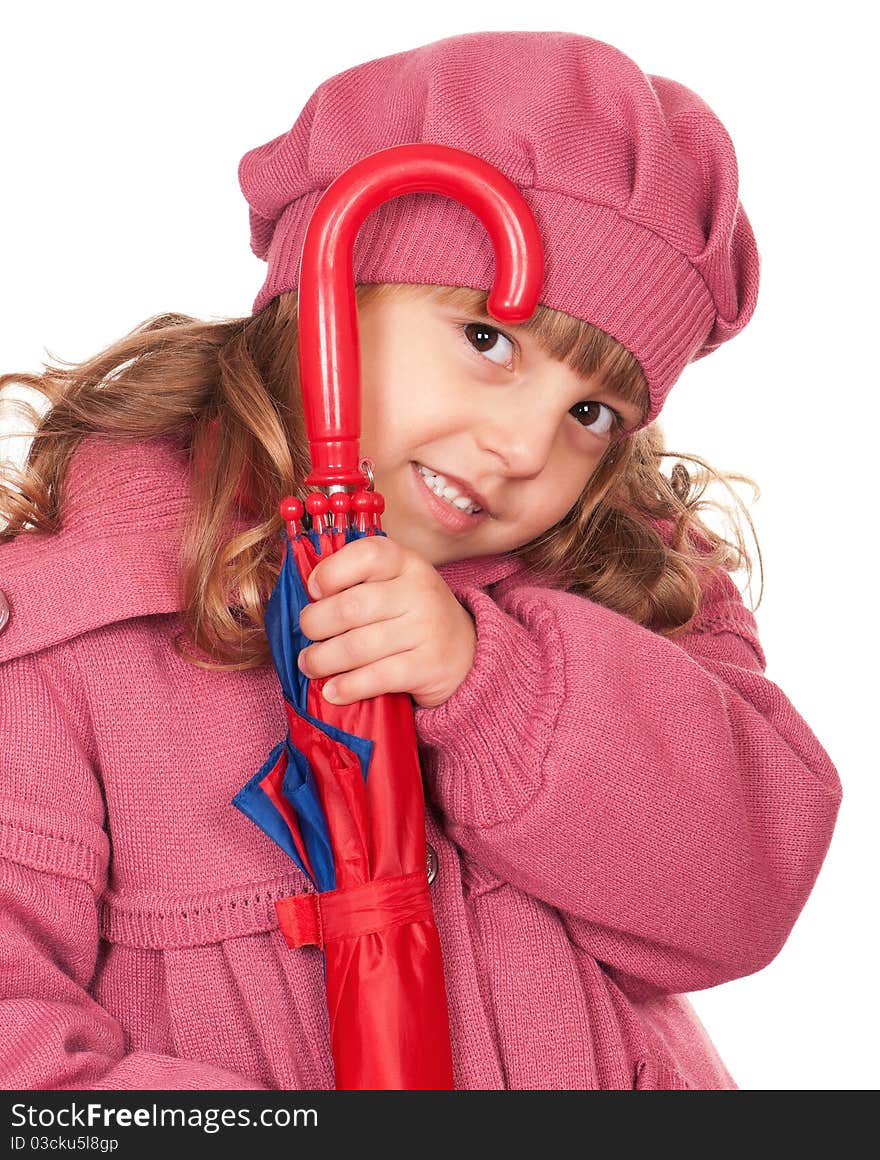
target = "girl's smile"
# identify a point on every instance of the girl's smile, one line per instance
(457, 416)
(454, 517)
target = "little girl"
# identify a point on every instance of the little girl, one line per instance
(620, 806)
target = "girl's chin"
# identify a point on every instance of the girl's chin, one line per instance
(418, 536)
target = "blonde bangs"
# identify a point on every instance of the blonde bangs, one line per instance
(584, 348)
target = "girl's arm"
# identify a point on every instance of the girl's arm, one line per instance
(663, 795)
(53, 868)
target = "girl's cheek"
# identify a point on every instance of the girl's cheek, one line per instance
(584, 451)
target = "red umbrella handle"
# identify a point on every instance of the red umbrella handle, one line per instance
(329, 354)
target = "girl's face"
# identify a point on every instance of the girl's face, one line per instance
(509, 429)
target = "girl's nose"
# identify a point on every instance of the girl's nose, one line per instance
(520, 436)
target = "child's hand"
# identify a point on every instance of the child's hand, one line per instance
(386, 621)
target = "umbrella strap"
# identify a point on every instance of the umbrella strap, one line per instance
(316, 919)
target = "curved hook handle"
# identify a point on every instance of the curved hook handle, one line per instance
(329, 352)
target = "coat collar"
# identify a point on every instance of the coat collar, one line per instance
(116, 554)
(478, 572)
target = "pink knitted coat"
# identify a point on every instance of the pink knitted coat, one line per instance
(618, 818)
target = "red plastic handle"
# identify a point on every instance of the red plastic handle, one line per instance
(329, 353)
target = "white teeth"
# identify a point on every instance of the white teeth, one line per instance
(438, 484)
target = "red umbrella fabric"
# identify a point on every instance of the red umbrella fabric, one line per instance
(342, 794)
(377, 925)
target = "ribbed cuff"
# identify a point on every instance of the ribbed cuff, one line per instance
(486, 744)
(53, 842)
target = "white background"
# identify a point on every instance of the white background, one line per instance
(120, 134)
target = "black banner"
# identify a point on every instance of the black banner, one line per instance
(133, 1123)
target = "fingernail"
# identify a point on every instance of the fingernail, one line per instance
(314, 586)
(330, 691)
(301, 661)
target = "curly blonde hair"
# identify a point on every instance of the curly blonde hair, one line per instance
(229, 389)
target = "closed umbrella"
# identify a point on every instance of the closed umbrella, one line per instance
(342, 793)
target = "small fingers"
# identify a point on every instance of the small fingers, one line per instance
(393, 674)
(354, 649)
(370, 558)
(356, 607)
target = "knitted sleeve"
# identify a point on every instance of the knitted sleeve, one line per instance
(53, 866)
(664, 796)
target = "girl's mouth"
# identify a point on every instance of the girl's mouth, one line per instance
(452, 517)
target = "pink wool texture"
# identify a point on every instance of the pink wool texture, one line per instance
(632, 180)
(618, 819)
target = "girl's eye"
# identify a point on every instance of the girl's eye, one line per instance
(588, 416)
(488, 341)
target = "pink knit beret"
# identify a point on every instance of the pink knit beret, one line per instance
(632, 180)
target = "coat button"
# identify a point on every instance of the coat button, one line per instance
(4, 612)
(433, 864)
